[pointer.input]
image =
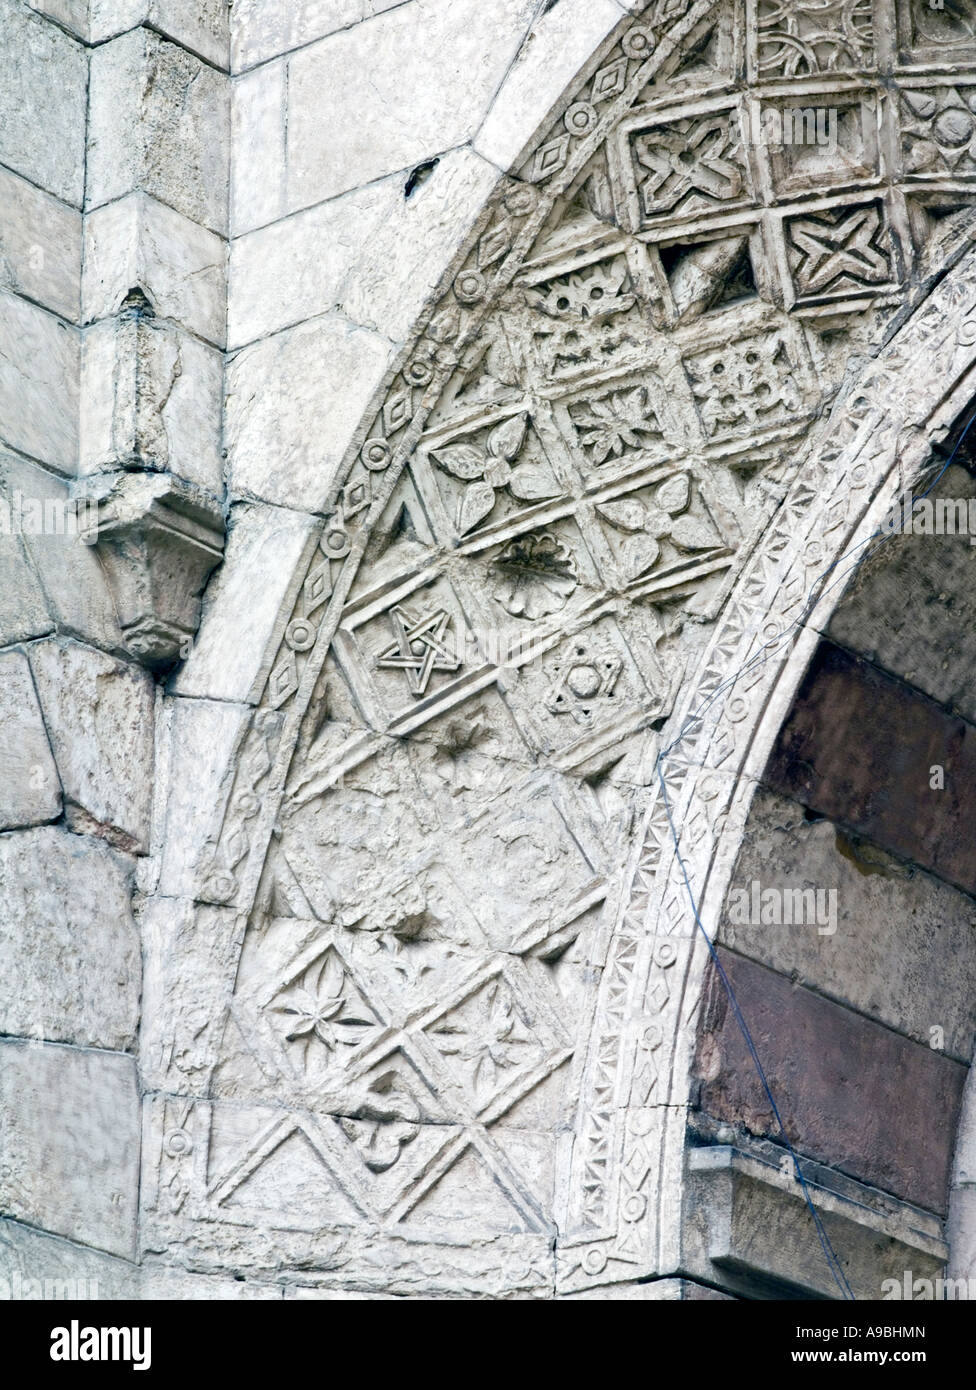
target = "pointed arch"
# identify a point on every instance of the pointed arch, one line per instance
(594, 430)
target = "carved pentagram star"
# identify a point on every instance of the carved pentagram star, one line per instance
(419, 649)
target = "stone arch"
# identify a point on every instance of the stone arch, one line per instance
(868, 453)
(620, 1181)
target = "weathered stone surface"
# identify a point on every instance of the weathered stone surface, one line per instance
(449, 1013)
(138, 243)
(175, 1285)
(40, 138)
(203, 26)
(40, 246)
(350, 252)
(911, 608)
(413, 243)
(69, 1143)
(239, 620)
(890, 923)
(860, 747)
(200, 27)
(563, 37)
(200, 737)
(71, 14)
(425, 73)
(150, 398)
(99, 713)
(655, 1291)
(23, 610)
(184, 968)
(260, 31)
(291, 402)
(747, 1226)
(158, 120)
(310, 1293)
(837, 1077)
(961, 1232)
(39, 1266)
(69, 951)
(158, 538)
(68, 570)
(284, 273)
(39, 383)
(30, 792)
(258, 126)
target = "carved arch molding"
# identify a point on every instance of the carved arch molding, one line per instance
(440, 909)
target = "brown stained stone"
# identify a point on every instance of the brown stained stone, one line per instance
(852, 1094)
(859, 746)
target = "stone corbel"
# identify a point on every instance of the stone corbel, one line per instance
(158, 539)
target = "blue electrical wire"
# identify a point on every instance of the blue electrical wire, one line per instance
(692, 719)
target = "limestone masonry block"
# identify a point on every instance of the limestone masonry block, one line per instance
(99, 712)
(200, 25)
(203, 26)
(36, 1265)
(896, 612)
(290, 270)
(23, 608)
(413, 244)
(239, 620)
(747, 1225)
(30, 792)
(78, 595)
(74, 14)
(159, 121)
(140, 243)
(834, 754)
(292, 402)
(151, 397)
(407, 85)
(70, 963)
(69, 1143)
(32, 1261)
(40, 246)
(891, 922)
(39, 383)
(43, 81)
(260, 31)
(201, 735)
(838, 1078)
(258, 141)
(562, 39)
(374, 253)
(962, 1233)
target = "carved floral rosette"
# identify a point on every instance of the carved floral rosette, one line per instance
(453, 930)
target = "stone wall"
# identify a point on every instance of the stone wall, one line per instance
(114, 140)
(345, 954)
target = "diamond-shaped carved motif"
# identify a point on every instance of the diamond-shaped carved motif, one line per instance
(322, 1015)
(616, 424)
(744, 385)
(690, 166)
(839, 252)
(609, 81)
(489, 1041)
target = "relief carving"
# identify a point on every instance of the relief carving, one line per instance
(535, 540)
